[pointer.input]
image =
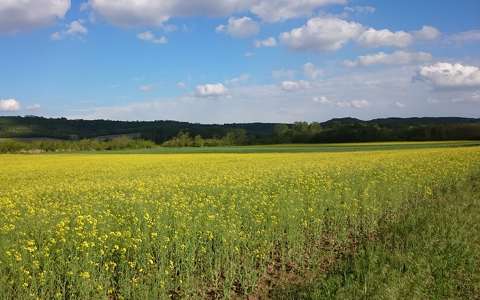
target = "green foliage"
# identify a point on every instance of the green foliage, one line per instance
(234, 137)
(183, 139)
(336, 130)
(117, 143)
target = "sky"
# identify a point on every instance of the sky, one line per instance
(225, 61)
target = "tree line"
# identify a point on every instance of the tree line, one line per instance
(35, 146)
(181, 134)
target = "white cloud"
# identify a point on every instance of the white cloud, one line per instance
(74, 29)
(249, 54)
(330, 33)
(148, 36)
(401, 39)
(427, 33)
(33, 107)
(360, 103)
(211, 90)
(268, 42)
(465, 37)
(9, 105)
(380, 38)
(146, 88)
(399, 104)
(19, 15)
(133, 12)
(468, 98)
(238, 80)
(311, 71)
(322, 100)
(56, 36)
(181, 85)
(342, 104)
(280, 10)
(380, 87)
(155, 12)
(84, 6)
(321, 34)
(354, 103)
(395, 58)
(283, 73)
(169, 27)
(447, 75)
(360, 9)
(240, 27)
(293, 86)
(476, 96)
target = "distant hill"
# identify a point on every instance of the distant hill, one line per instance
(335, 130)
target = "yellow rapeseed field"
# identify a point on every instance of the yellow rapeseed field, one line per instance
(155, 226)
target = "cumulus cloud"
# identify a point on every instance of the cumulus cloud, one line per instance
(211, 90)
(465, 37)
(280, 10)
(268, 42)
(240, 27)
(311, 71)
(329, 33)
(74, 29)
(321, 34)
(427, 33)
(401, 39)
(22, 15)
(395, 58)
(380, 38)
(154, 12)
(150, 37)
(447, 75)
(9, 105)
(293, 86)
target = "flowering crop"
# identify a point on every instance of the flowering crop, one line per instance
(156, 226)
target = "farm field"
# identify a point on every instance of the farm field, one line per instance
(398, 222)
(304, 148)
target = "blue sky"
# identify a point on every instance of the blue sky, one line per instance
(215, 61)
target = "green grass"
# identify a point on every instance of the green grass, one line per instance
(305, 148)
(429, 251)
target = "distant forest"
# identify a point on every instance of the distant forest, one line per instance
(173, 132)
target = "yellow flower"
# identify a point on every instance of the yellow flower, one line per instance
(85, 275)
